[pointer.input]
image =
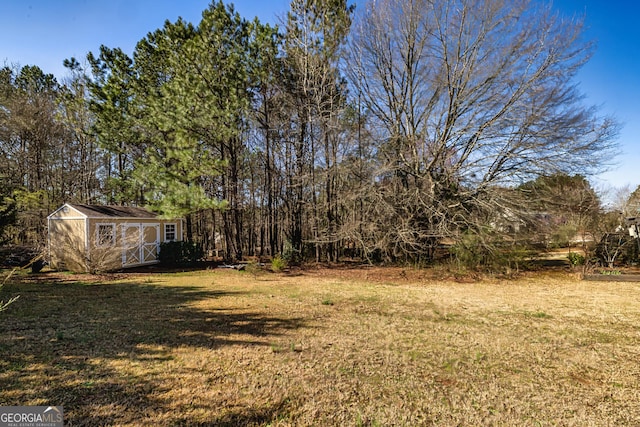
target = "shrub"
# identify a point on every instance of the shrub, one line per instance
(180, 254)
(469, 252)
(575, 259)
(253, 268)
(491, 253)
(290, 255)
(278, 264)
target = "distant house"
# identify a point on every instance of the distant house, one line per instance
(99, 238)
(633, 225)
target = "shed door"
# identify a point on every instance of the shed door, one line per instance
(140, 243)
(131, 237)
(150, 242)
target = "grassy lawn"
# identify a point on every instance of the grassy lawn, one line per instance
(323, 347)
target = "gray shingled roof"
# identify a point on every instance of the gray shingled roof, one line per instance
(97, 211)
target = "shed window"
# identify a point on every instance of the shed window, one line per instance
(106, 235)
(169, 232)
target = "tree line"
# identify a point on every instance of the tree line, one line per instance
(378, 132)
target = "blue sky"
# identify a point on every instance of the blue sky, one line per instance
(45, 32)
(611, 79)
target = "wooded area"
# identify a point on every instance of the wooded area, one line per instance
(377, 133)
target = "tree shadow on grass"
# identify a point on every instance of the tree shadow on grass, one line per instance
(256, 416)
(78, 345)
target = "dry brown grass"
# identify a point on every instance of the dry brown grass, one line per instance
(324, 347)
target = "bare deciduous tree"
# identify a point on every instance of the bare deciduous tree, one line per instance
(469, 96)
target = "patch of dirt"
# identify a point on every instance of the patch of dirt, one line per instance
(341, 271)
(385, 274)
(376, 274)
